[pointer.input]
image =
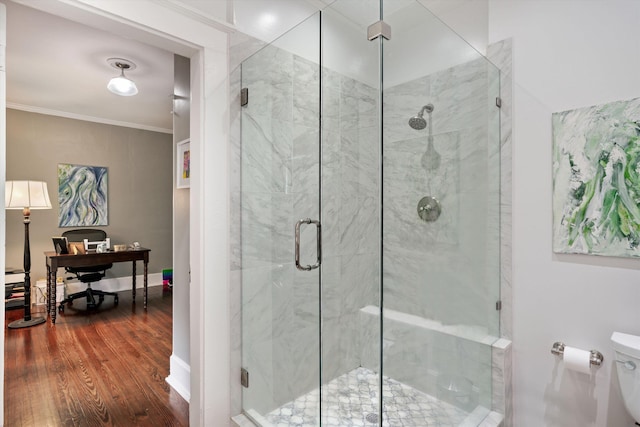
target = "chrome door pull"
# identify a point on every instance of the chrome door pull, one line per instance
(318, 242)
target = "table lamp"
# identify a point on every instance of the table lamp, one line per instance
(26, 195)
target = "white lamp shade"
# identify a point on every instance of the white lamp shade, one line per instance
(122, 86)
(26, 194)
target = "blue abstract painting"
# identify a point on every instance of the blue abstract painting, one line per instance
(82, 195)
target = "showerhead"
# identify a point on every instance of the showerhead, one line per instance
(418, 122)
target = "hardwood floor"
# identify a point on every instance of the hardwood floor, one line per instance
(102, 368)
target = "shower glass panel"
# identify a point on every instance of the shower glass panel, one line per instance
(280, 156)
(393, 146)
(441, 186)
(351, 215)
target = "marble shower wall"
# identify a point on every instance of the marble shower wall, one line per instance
(501, 54)
(278, 176)
(277, 184)
(447, 271)
(350, 215)
(444, 272)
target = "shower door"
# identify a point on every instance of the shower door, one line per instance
(279, 224)
(310, 197)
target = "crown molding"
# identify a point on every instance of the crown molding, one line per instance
(68, 115)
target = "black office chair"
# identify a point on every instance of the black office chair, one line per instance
(90, 274)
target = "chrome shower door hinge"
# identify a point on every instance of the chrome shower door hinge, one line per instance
(244, 96)
(378, 29)
(498, 102)
(244, 378)
(498, 305)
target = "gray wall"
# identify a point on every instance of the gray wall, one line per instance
(140, 177)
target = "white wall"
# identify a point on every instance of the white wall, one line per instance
(567, 54)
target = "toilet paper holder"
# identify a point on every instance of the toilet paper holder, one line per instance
(596, 358)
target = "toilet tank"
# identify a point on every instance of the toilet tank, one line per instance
(627, 348)
(626, 344)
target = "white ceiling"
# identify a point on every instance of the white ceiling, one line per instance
(57, 66)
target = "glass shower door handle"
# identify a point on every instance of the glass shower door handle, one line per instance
(318, 243)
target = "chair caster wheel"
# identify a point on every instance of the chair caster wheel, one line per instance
(61, 308)
(115, 300)
(101, 299)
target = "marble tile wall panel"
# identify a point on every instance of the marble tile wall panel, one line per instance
(235, 85)
(351, 225)
(501, 54)
(465, 359)
(235, 163)
(241, 47)
(267, 229)
(422, 273)
(235, 276)
(257, 338)
(409, 348)
(279, 176)
(350, 214)
(235, 359)
(460, 119)
(459, 95)
(306, 90)
(492, 251)
(497, 376)
(402, 102)
(295, 345)
(266, 162)
(407, 181)
(280, 322)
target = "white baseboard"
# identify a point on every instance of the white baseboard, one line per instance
(179, 377)
(116, 284)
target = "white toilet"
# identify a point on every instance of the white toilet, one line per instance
(627, 348)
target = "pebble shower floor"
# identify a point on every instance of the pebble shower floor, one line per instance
(352, 400)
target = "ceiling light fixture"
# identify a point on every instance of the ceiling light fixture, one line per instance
(121, 85)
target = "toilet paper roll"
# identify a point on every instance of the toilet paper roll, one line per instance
(577, 360)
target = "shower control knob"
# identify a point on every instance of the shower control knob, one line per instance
(429, 209)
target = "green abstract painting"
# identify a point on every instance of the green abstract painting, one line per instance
(596, 180)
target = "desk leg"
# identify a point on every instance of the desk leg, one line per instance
(146, 265)
(51, 293)
(48, 290)
(133, 289)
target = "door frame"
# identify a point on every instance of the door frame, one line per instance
(178, 29)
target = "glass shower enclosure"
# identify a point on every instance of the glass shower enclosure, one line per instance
(368, 222)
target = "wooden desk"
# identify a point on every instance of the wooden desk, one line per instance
(55, 261)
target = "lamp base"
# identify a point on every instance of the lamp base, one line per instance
(17, 324)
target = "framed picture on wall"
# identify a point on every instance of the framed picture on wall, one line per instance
(82, 195)
(183, 164)
(596, 180)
